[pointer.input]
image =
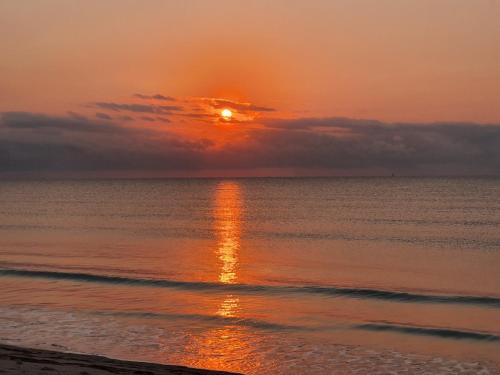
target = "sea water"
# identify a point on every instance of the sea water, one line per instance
(261, 275)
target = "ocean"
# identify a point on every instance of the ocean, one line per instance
(259, 275)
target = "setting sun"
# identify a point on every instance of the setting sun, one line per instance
(226, 114)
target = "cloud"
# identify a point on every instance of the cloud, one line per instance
(318, 123)
(76, 115)
(156, 97)
(37, 122)
(202, 117)
(37, 142)
(342, 143)
(239, 106)
(125, 118)
(139, 108)
(163, 119)
(77, 145)
(196, 108)
(103, 116)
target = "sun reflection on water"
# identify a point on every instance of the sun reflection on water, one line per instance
(228, 346)
(227, 215)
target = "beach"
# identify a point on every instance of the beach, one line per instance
(16, 360)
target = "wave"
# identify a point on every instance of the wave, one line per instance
(206, 233)
(445, 333)
(211, 319)
(358, 293)
(427, 241)
(260, 324)
(437, 332)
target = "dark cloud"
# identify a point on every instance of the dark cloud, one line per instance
(103, 116)
(75, 145)
(163, 119)
(242, 107)
(341, 143)
(77, 115)
(201, 117)
(33, 121)
(139, 108)
(35, 142)
(156, 97)
(317, 123)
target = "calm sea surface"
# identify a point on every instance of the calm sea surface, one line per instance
(262, 276)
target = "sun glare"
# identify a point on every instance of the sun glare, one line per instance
(226, 114)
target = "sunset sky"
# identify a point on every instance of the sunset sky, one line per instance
(316, 87)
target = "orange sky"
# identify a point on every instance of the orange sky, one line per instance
(390, 60)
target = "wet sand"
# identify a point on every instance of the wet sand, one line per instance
(17, 360)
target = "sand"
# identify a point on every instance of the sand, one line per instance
(17, 360)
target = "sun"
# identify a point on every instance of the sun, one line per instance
(226, 114)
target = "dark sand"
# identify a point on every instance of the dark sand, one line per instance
(17, 360)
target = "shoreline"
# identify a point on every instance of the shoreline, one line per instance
(16, 360)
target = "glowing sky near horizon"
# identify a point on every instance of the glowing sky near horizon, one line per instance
(313, 87)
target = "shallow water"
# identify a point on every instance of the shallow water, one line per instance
(263, 276)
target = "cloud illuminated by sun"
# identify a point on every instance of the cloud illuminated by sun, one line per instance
(163, 109)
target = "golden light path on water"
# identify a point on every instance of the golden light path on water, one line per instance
(226, 347)
(228, 216)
